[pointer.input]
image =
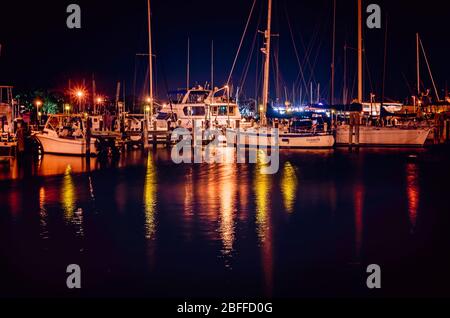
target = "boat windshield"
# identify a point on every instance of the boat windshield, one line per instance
(197, 97)
(66, 126)
(194, 111)
(222, 110)
(162, 116)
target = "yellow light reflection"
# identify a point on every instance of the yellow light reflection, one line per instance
(43, 213)
(68, 194)
(262, 195)
(289, 186)
(262, 190)
(68, 200)
(150, 198)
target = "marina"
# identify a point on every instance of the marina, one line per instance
(272, 150)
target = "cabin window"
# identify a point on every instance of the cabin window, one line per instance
(223, 111)
(194, 111)
(214, 110)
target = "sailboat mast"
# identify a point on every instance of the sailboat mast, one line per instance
(150, 57)
(212, 65)
(418, 64)
(360, 53)
(344, 90)
(267, 65)
(188, 64)
(333, 54)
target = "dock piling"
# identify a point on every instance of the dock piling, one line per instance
(88, 137)
(145, 133)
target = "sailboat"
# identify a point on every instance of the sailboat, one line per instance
(398, 135)
(264, 135)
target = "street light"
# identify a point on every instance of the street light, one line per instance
(38, 113)
(80, 95)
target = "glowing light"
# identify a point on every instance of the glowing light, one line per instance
(80, 94)
(99, 100)
(67, 107)
(39, 114)
(147, 108)
(149, 100)
(38, 103)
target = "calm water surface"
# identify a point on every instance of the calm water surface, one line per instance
(146, 227)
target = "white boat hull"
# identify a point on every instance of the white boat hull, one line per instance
(286, 140)
(384, 136)
(63, 146)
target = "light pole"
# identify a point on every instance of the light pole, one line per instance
(38, 113)
(80, 96)
(99, 102)
(148, 109)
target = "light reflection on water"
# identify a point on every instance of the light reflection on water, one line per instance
(150, 188)
(72, 213)
(43, 214)
(227, 194)
(263, 190)
(289, 186)
(230, 217)
(412, 181)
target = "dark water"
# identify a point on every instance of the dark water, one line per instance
(147, 227)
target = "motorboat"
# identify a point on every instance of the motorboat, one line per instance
(65, 135)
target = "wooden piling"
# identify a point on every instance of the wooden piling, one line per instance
(88, 137)
(154, 135)
(355, 123)
(446, 130)
(145, 133)
(350, 134)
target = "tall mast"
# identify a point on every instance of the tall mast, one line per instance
(150, 57)
(418, 64)
(360, 53)
(267, 65)
(188, 63)
(212, 65)
(344, 90)
(333, 53)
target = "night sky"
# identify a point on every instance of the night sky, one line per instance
(39, 51)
